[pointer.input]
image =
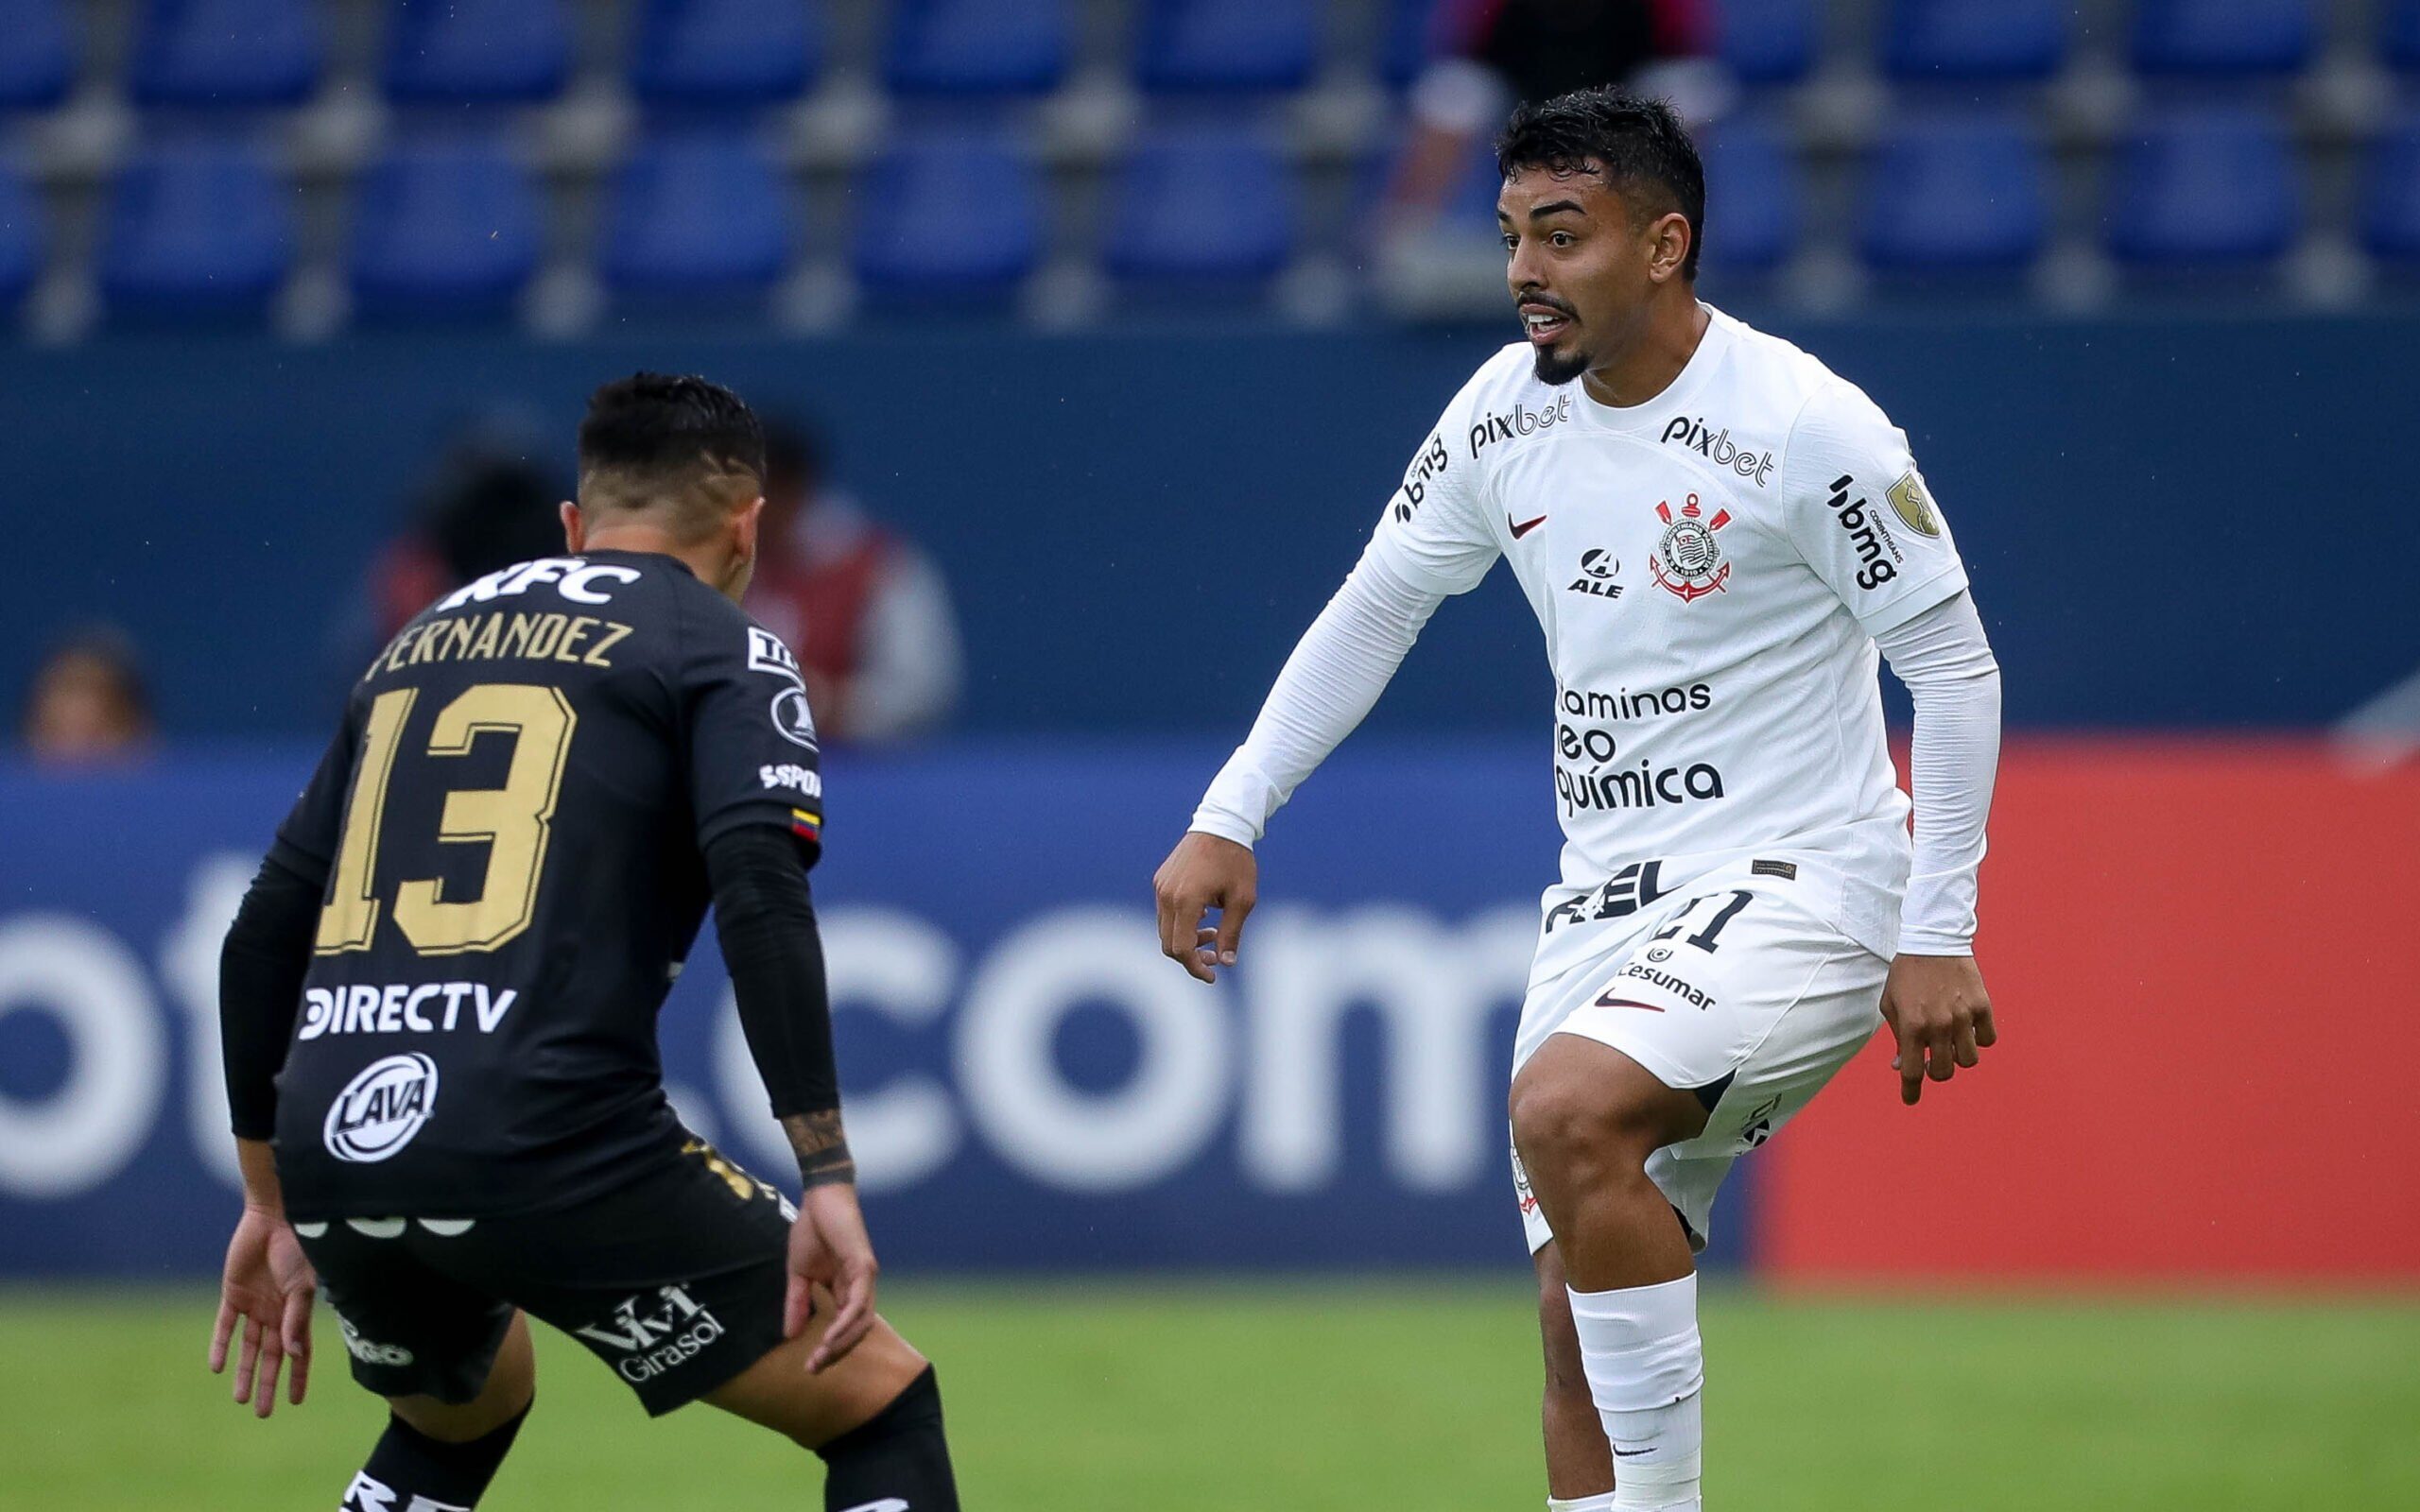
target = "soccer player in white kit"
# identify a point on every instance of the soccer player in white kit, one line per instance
(1717, 536)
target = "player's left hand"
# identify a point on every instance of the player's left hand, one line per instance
(267, 1287)
(829, 1247)
(1941, 1015)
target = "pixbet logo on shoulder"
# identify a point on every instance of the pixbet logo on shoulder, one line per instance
(1716, 447)
(1522, 421)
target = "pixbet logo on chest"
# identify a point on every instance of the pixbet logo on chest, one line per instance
(1716, 447)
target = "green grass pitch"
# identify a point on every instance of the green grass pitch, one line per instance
(1393, 1396)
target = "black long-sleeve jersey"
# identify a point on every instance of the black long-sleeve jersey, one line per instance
(511, 825)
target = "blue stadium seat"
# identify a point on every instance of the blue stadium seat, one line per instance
(2203, 186)
(1203, 205)
(22, 236)
(724, 53)
(1227, 45)
(196, 226)
(1955, 194)
(980, 48)
(226, 52)
(947, 218)
(1411, 40)
(2399, 35)
(477, 51)
(2227, 37)
(1752, 212)
(443, 226)
(1975, 39)
(36, 64)
(2391, 194)
(1768, 41)
(696, 213)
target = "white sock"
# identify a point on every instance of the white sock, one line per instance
(1645, 1370)
(1582, 1504)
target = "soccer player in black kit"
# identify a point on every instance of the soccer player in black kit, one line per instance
(439, 999)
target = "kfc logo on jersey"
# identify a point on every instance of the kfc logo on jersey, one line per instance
(1431, 461)
(1689, 559)
(1522, 421)
(380, 1110)
(1596, 569)
(1716, 447)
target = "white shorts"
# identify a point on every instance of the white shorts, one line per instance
(1732, 988)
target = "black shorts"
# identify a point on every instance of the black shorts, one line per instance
(675, 1280)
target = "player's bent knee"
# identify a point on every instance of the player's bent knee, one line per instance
(1560, 1119)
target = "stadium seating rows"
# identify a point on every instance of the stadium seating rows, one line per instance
(1202, 190)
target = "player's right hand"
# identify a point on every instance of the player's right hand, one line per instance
(267, 1287)
(829, 1247)
(1206, 871)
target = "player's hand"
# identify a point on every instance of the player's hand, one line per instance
(1940, 1016)
(829, 1247)
(1206, 871)
(268, 1287)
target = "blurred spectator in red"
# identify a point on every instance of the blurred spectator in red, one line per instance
(1492, 55)
(486, 503)
(87, 705)
(486, 506)
(864, 608)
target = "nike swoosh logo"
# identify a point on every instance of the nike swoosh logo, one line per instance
(1634, 1454)
(1609, 1000)
(889, 1504)
(1518, 531)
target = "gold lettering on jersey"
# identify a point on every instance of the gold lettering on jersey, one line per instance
(597, 654)
(498, 635)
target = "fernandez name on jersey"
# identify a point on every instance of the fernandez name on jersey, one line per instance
(511, 892)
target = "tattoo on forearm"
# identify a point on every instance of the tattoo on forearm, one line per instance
(822, 1149)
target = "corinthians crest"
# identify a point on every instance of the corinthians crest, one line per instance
(1689, 559)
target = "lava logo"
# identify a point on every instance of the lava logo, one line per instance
(380, 1110)
(1688, 560)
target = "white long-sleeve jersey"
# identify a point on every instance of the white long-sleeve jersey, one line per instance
(1713, 570)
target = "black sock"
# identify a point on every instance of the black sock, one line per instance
(895, 1461)
(409, 1471)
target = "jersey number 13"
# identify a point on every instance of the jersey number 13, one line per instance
(513, 820)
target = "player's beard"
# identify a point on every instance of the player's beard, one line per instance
(1560, 367)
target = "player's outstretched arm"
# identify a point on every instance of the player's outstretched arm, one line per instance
(1206, 871)
(266, 1292)
(1934, 999)
(268, 1285)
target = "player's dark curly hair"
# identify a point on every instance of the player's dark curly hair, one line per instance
(1636, 144)
(656, 439)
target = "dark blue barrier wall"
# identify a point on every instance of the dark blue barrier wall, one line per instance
(1031, 1084)
(2189, 521)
